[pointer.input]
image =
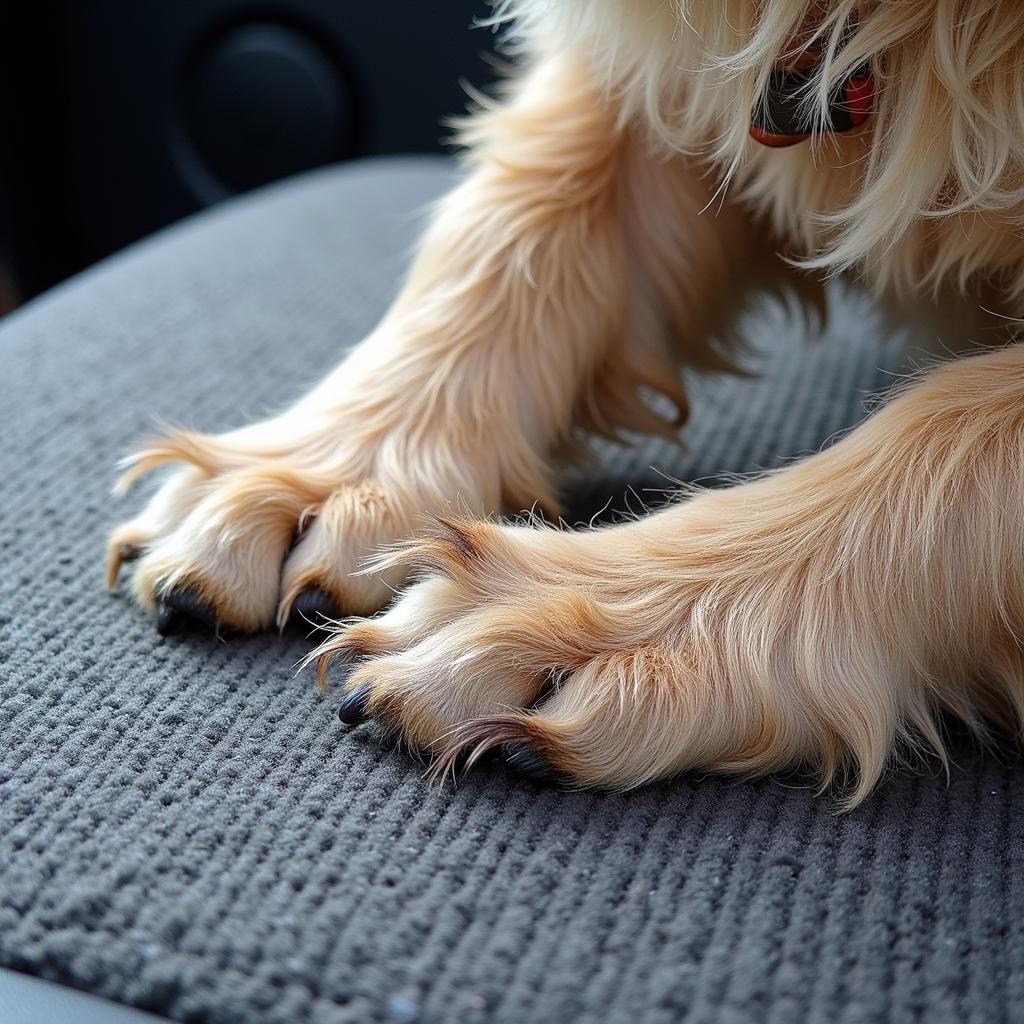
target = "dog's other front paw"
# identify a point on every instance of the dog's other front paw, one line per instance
(725, 634)
(820, 616)
(586, 659)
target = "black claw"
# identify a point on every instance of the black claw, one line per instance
(525, 760)
(352, 709)
(168, 619)
(180, 605)
(313, 606)
(128, 552)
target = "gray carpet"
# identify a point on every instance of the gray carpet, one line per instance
(184, 826)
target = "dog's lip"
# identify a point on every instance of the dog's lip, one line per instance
(776, 140)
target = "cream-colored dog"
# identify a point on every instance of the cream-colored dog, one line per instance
(616, 211)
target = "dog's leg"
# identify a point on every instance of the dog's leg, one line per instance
(568, 238)
(819, 615)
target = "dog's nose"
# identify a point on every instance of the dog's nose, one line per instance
(182, 605)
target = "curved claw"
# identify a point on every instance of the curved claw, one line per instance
(128, 552)
(352, 709)
(314, 606)
(117, 555)
(526, 761)
(181, 605)
(168, 619)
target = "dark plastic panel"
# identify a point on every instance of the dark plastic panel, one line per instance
(134, 113)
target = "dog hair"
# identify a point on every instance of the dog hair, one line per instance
(614, 219)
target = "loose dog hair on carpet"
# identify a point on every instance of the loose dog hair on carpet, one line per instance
(614, 219)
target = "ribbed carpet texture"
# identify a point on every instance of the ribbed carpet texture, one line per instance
(185, 826)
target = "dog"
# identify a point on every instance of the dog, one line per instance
(653, 163)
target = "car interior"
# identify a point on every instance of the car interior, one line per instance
(203, 203)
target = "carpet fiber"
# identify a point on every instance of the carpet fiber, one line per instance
(184, 825)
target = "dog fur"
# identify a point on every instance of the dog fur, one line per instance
(614, 218)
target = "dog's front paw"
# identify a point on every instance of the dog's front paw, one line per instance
(256, 530)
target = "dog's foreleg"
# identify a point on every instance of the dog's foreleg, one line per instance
(554, 283)
(818, 616)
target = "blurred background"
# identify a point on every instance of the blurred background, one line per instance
(123, 116)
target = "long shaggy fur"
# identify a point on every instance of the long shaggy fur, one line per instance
(614, 216)
(930, 197)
